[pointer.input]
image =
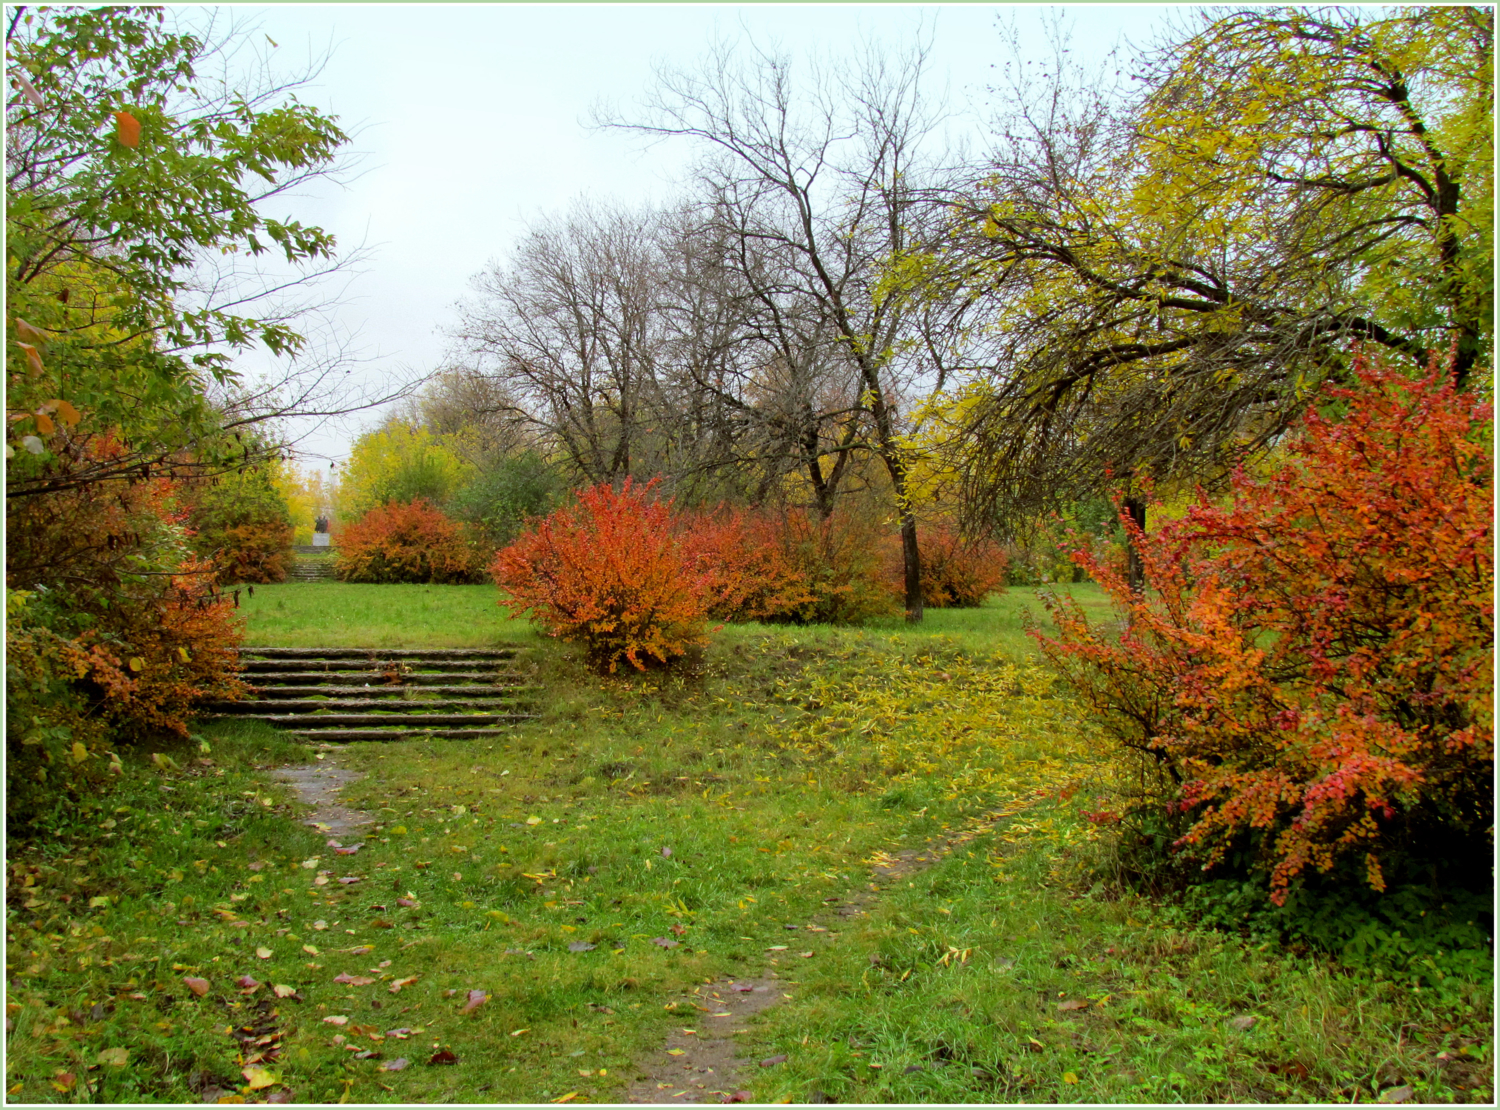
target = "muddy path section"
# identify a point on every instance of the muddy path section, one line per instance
(701, 1061)
(319, 785)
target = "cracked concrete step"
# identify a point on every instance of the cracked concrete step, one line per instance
(309, 705)
(483, 690)
(304, 721)
(379, 653)
(375, 678)
(345, 735)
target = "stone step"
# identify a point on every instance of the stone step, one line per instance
(376, 678)
(506, 690)
(308, 705)
(340, 666)
(351, 734)
(378, 653)
(304, 721)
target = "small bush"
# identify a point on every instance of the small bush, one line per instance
(410, 542)
(242, 523)
(746, 574)
(840, 562)
(1310, 670)
(956, 573)
(610, 573)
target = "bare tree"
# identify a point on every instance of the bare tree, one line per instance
(814, 186)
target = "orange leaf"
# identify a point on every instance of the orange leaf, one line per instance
(127, 129)
(33, 360)
(44, 424)
(196, 985)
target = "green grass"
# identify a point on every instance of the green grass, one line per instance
(773, 778)
(342, 614)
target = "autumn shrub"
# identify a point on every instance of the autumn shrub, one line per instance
(608, 572)
(1308, 675)
(115, 632)
(839, 561)
(410, 542)
(957, 573)
(746, 574)
(241, 522)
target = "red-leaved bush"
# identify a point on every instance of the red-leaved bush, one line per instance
(608, 572)
(957, 573)
(411, 542)
(744, 571)
(1310, 667)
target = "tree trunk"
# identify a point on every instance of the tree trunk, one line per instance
(911, 557)
(1135, 569)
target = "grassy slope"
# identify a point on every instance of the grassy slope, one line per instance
(772, 780)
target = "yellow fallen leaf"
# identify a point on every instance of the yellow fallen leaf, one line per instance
(114, 1057)
(284, 991)
(518, 1032)
(1069, 1077)
(310, 949)
(258, 1078)
(263, 952)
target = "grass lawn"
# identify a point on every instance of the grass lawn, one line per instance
(707, 812)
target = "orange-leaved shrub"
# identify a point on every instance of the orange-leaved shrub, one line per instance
(744, 572)
(1310, 667)
(838, 563)
(407, 542)
(957, 573)
(114, 629)
(608, 572)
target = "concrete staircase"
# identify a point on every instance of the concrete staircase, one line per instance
(311, 568)
(342, 694)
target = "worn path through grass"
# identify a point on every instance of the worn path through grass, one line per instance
(535, 918)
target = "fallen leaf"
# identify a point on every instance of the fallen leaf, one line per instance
(400, 1034)
(1072, 1004)
(805, 955)
(477, 998)
(675, 1052)
(114, 1057)
(741, 987)
(320, 925)
(569, 1097)
(409, 903)
(258, 1078)
(247, 982)
(336, 1019)
(518, 1032)
(63, 1082)
(347, 879)
(395, 1065)
(773, 1060)
(263, 953)
(1244, 1023)
(367, 1054)
(533, 820)
(284, 991)
(581, 946)
(256, 866)
(196, 985)
(280, 1096)
(353, 980)
(1069, 1077)
(777, 948)
(664, 942)
(399, 983)
(677, 930)
(442, 1057)
(1395, 1094)
(666, 853)
(310, 949)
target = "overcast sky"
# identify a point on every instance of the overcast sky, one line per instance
(471, 119)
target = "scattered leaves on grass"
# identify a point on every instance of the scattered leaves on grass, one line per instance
(263, 953)
(119, 1057)
(399, 983)
(476, 999)
(353, 980)
(196, 985)
(336, 1019)
(443, 1056)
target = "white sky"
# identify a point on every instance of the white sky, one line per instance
(471, 119)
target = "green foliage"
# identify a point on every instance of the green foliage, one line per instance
(241, 521)
(125, 165)
(506, 495)
(400, 462)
